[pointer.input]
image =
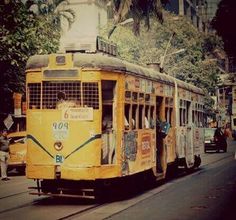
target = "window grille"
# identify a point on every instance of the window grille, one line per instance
(71, 90)
(90, 95)
(34, 91)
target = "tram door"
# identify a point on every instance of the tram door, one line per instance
(160, 151)
(189, 136)
(109, 106)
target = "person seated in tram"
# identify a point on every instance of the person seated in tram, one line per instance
(63, 103)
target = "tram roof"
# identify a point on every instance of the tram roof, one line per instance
(107, 63)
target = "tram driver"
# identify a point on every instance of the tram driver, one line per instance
(63, 103)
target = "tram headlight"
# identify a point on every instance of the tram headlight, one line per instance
(58, 145)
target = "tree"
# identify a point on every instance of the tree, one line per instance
(190, 65)
(53, 10)
(222, 22)
(22, 34)
(138, 10)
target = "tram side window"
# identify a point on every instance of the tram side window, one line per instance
(193, 117)
(107, 117)
(184, 116)
(201, 122)
(201, 119)
(134, 116)
(140, 118)
(180, 116)
(168, 110)
(196, 115)
(183, 113)
(180, 113)
(152, 117)
(135, 96)
(147, 117)
(127, 116)
(108, 92)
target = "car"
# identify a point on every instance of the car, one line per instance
(214, 140)
(17, 151)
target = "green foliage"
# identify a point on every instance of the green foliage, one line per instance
(139, 10)
(24, 33)
(54, 11)
(190, 65)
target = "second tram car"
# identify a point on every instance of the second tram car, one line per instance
(93, 118)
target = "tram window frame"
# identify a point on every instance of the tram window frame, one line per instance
(134, 114)
(196, 115)
(152, 117)
(169, 109)
(147, 116)
(140, 116)
(90, 94)
(201, 117)
(193, 114)
(147, 98)
(141, 97)
(169, 115)
(193, 117)
(182, 112)
(134, 96)
(127, 116)
(128, 95)
(34, 91)
(188, 108)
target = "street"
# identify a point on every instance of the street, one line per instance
(207, 193)
(99, 99)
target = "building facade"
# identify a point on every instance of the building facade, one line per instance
(91, 15)
(194, 10)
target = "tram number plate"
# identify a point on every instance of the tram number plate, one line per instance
(60, 130)
(59, 159)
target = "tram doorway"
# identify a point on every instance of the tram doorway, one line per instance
(160, 151)
(109, 97)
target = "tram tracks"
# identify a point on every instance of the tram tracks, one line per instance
(27, 204)
(81, 212)
(15, 194)
(80, 206)
(74, 209)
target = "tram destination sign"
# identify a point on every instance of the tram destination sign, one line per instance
(77, 114)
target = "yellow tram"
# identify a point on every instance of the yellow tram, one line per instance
(92, 117)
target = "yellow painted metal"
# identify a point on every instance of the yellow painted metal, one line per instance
(81, 164)
(17, 149)
(40, 171)
(68, 61)
(145, 158)
(90, 173)
(169, 141)
(80, 156)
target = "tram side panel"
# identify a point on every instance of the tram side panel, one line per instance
(189, 131)
(138, 139)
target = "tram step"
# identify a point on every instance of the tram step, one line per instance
(62, 195)
(78, 193)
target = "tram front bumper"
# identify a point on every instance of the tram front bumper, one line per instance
(72, 173)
